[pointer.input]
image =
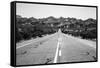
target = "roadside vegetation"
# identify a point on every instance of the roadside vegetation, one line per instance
(86, 29)
(27, 28)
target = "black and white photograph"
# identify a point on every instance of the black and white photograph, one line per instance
(54, 34)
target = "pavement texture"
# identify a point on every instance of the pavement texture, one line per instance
(55, 48)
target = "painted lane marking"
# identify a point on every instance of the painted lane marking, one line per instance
(56, 55)
(83, 41)
(23, 45)
(32, 42)
(57, 50)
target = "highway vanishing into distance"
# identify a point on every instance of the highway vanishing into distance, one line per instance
(55, 48)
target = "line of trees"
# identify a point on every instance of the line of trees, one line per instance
(86, 29)
(27, 28)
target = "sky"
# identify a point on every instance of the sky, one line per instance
(43, 11)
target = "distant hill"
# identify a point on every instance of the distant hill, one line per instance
(18, 16)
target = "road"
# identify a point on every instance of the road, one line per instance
(55, 48)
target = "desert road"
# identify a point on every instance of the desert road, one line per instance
(55, 48)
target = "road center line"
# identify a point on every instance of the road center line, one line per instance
(56, 55)
(57, 50)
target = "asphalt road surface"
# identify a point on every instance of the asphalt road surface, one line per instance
(55, 48)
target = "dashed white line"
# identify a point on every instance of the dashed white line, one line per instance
(59, 52)
(56, 55)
